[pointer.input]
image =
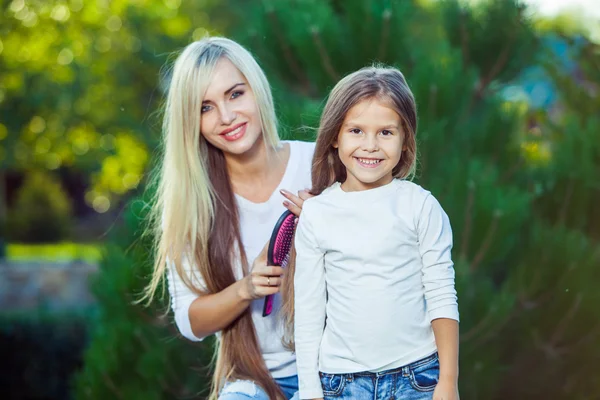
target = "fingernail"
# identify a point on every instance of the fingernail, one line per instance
(286, 203)
(283, 191)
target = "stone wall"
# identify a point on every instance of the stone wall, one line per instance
(53, 286)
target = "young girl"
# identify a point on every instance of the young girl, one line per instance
(218, 199)
(376, 309)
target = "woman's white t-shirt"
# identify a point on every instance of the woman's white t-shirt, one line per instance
(256, 224)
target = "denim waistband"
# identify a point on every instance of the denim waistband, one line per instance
(404, 369)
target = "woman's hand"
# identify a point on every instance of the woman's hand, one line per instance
(263, 279)
(295, 202)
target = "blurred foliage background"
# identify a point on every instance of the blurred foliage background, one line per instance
(509, 142)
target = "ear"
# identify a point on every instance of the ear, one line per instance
(404, 147)
(335, 144)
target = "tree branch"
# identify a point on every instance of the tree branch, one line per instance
(464, 40)
(385, 34)
(326, 61)
(466, 236)
(287, 52)
(486, 242)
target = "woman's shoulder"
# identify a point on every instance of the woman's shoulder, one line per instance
(307, 148)
(299, 165)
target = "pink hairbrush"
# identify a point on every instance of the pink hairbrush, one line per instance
(279, 249)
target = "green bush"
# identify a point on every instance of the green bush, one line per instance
(135, 352)
(42, 211)
(40, 352)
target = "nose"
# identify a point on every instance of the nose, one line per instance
(228, 115)
(369, 143)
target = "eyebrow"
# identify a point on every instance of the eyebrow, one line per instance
(390, 126)
(231, 89)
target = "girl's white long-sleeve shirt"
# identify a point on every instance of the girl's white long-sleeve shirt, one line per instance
(257, 221)
(373, 269)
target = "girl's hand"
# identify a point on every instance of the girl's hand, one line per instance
(295, 202)
(263, 279)
(446, 390)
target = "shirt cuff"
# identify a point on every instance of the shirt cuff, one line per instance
(450, 312)
(311, 388)
(182, 320)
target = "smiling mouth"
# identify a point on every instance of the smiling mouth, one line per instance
(368, 162)
(234, 131)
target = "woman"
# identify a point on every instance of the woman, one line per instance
(223, 173)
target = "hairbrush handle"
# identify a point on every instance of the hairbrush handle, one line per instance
(268, 307)
(280, 245)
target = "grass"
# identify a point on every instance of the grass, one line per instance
(54, 252)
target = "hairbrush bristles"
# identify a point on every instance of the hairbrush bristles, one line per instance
(279, 249)
(283, 241)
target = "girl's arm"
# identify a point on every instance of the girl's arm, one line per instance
(309, 300)
(435, 245)
(446, 339)
(200, 316)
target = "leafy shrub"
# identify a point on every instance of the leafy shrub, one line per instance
(41, 353)
(42, 211)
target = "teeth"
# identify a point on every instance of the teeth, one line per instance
(368, 161)
(234, 132)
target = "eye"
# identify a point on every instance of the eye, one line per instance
(236, 94)
(205, 108)
(355, 131)
(386, 133)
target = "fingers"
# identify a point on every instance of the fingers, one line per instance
(295, 203)
(293, 208)
(260, 267)
(266, 276)
(265, 285)
(305, 194)
(262, 291)
(267, 270)
(291, 197)
(263, 280)
(266, 281)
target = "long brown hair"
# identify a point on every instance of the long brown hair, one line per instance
(195, 214)
(238, 356)
(376, 82)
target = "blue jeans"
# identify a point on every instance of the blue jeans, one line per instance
(239, 390)
(415, 381)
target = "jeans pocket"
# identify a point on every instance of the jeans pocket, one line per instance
(332, 384)
(425, 376)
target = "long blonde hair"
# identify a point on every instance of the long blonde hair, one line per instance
(376, 82)
(194, 212)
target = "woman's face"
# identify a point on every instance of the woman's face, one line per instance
(230, 117)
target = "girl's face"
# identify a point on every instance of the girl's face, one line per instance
(370, 144)
(230, 116)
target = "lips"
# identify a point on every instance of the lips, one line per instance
(235, 132)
